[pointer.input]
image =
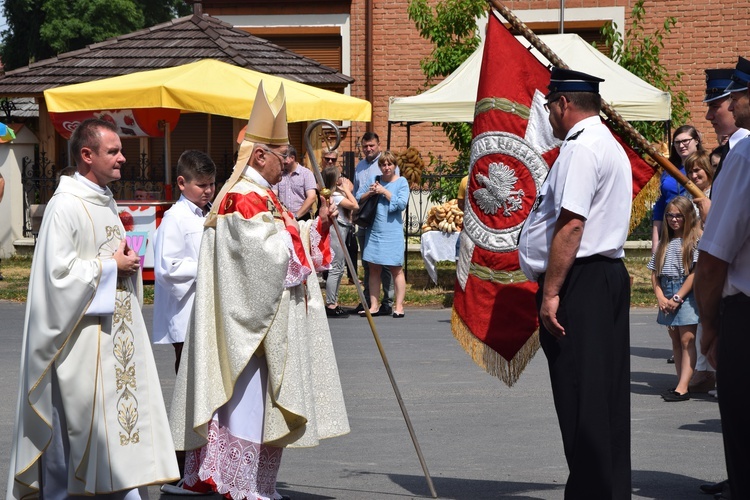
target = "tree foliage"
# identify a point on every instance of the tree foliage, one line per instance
(639, 52)
(39, 29)
(451, 28)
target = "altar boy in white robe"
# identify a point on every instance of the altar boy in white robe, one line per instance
(91, 418)
(258, 372)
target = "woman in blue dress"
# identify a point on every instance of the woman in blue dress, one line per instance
(384, 239)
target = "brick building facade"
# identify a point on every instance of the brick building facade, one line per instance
(708, 34)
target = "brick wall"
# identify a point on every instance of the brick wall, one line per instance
(711, 33)
(397, 51)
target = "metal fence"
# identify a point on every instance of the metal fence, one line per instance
(40, 176)
(434, 190)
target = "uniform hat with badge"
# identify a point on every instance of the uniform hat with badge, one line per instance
(266, 125)
(740, 76)
(567, 80)
(717, 81)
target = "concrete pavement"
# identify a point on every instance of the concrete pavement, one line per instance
(481, 439)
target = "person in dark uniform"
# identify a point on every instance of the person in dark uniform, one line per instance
(572, 244)
(718, 98)
(722, 290)
(739, 106)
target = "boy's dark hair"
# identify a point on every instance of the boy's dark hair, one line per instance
(195, 164)
(292, 152)
(86, 135)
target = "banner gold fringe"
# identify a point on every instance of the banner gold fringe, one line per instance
(644, 200)
(488, 359)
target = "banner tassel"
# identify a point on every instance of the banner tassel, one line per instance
(488, 359)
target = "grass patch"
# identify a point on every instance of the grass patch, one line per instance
(420, 290)
(14, 285)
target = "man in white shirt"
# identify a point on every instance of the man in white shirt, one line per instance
(572, 244)
(722, 290)
(721, 117)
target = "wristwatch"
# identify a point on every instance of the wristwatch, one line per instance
(678, 299)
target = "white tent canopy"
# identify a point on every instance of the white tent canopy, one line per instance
(453, 99)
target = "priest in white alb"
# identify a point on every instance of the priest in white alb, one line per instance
(258, 372)
(90, 419)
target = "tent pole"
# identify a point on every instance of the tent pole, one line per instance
(388, 140)
(167, 164)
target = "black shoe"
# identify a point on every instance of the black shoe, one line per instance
(675, 396)
(385, 310)
(397, 315)
(713, 488)
(336, 312)
(363, 314)
(671, 360)
(359, 308)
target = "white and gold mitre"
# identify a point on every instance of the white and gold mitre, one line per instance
(266, 125)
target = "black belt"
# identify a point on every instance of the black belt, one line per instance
(738, 298)
(594, 258)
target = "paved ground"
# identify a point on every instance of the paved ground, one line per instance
(481, 440)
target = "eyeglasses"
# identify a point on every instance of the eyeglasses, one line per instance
(546, 104)
(683, 142)
(329, 160)
(282, 157)
(674, 216)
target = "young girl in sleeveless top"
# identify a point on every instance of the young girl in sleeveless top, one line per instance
(672, 268)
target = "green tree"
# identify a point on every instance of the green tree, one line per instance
(639, 52)
(452, 29)
(39, 29)
(21, 43)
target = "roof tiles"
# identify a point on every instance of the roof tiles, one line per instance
(180, 41)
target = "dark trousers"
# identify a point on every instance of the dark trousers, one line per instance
(590, 375)
(731, 380)
(353, 248)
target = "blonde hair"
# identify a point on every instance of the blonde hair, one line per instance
(387, 156)
(691, 233)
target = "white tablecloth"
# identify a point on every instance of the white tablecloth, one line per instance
(437, 246)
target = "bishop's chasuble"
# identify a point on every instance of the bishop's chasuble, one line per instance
(99, 368)
(258, 371)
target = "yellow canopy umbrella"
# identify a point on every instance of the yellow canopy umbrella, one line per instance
(206, 86)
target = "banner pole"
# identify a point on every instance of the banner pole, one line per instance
(622, 124)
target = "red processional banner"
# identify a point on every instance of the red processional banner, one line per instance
(494, 311)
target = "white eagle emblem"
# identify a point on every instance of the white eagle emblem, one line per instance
(498, 190)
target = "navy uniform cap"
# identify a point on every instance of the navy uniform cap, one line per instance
(717, 81)
(740, 76)
(567, 80)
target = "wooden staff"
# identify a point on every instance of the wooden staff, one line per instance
(326, 193)
(632, 134)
